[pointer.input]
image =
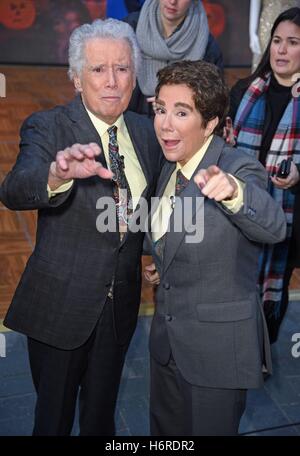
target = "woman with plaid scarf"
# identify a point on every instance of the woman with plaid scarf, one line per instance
(266, 111)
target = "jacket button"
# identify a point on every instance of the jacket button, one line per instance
(168, 317)
(251, 212)
(166, 286)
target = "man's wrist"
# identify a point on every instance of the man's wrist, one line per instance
(55, 181)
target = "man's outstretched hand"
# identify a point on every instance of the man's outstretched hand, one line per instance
(76, 162)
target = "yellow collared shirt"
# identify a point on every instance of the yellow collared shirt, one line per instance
(133, 170)
(161, 216)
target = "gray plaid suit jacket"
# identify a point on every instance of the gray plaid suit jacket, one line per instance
(67, 278)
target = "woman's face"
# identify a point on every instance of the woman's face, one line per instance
(285, 52)
(174, 10)
(178, 125)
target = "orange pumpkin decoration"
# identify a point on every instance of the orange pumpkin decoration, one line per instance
(17, 14)
(216, 17)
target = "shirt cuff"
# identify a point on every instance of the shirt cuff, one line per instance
(235, 204)
(63, 188)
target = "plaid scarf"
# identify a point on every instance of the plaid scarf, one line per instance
(248, 129)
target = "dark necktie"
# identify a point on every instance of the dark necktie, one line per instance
(121, 190)
(181, 183)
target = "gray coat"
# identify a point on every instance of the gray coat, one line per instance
(208, 313)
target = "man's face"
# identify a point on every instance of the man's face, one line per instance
(174, 10)
(107, 78)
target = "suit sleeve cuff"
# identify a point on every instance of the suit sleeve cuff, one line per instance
(236, 203)
(63, 188)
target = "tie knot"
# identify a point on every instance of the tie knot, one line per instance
(112, 132)
(181, 182)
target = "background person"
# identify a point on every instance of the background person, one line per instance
(261, 18)
(167, 31)
(266, 125)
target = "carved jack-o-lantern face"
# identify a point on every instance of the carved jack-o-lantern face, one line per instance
(17, 14)
(216, 17)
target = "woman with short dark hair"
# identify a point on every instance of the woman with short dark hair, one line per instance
(208, 340)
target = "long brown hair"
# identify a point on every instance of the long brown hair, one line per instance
(264, 66)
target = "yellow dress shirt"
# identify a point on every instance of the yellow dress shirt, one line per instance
(161, 216)
(133, 170)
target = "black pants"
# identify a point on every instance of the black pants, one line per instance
(57, 374)
(178, 408)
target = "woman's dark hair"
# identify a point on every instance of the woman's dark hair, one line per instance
(264, 67)
(210, 93)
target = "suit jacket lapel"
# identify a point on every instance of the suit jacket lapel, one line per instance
(83, 128)
(164, 177)
(174, 239)
(85, 132)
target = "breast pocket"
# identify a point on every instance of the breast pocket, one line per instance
(225, 311)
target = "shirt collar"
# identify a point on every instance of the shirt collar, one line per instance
(102, 127)
(189, 168)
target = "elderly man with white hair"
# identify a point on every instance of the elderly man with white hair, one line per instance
(79, 295)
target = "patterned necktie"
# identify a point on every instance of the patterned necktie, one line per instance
(121, 190)
(181, 183)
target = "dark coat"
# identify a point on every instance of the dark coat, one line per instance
(67, 278)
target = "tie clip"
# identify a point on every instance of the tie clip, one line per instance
(172, 201)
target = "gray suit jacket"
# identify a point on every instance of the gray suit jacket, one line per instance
(67, 278)
(208, 313)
